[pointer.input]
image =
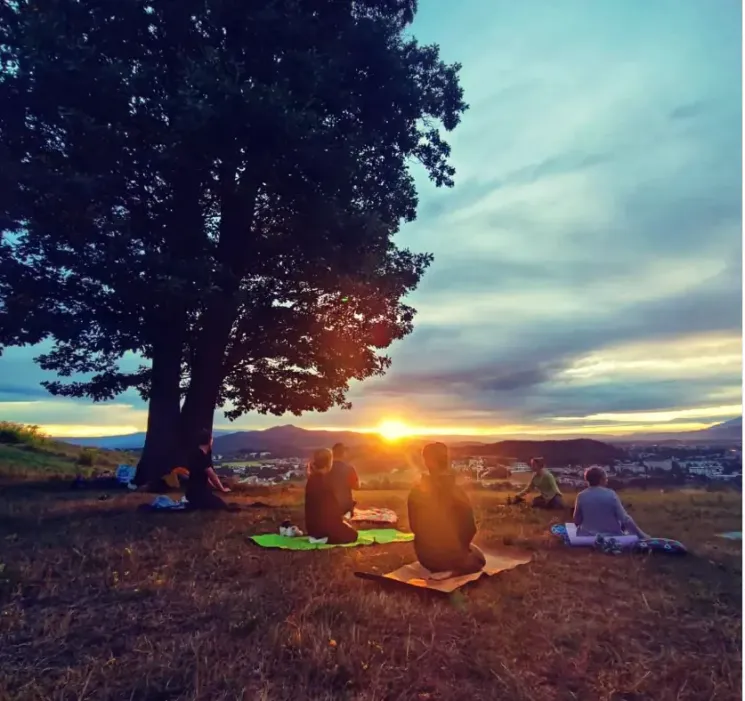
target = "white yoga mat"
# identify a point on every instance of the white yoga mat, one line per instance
(583, 540)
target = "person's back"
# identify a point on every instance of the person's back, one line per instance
(598, 510)
(323, 514)
(441, 519)
(197, 464)
(600, 514)
(343, 478)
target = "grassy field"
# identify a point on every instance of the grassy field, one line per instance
(100, 601)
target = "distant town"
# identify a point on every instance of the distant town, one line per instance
(644, 465)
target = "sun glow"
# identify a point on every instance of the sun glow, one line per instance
(393, 430)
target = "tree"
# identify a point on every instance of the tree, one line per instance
(214, 186)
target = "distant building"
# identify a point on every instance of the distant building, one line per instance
(664, 465)
(633, 467)
(706, 468)
(519, 466)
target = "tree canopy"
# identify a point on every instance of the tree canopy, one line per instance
(214, 186)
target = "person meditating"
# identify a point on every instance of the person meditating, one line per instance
(324, 516)
(202, 476)
(344, 479)
(549, 496)
(441, 518)
(598, 510)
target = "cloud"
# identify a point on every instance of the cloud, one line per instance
(588, 260)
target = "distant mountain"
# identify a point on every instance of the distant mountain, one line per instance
(289, 440)
(729, 431)
(565, 452)
(130, 441)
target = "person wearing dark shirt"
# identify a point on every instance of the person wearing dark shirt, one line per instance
(344, 479)
(324, 517)
(202, 476)
(441, 518)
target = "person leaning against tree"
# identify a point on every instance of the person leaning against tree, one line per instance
(202, 476)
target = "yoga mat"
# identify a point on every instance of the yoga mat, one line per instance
(731, 535)
(377, 536)
(568, 533)
(415, 575)
(375, 516)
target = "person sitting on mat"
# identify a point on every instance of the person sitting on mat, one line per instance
(202, 476)
(344, 479)
(598, 510)
(549, 496)
(324, 517)
(441, 518)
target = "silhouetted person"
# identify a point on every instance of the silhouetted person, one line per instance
(441, 518)
(343, 479)
(324, 517)
(202, 476)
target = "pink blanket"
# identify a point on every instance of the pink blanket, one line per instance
(375, 515)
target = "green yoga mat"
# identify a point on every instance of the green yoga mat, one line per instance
(379, 536)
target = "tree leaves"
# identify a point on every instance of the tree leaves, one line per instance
(168, 165)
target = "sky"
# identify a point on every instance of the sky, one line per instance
(588, 263)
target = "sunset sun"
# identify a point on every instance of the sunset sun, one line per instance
(393, 430)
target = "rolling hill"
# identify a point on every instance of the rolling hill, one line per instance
(728, 431)
(289, 440)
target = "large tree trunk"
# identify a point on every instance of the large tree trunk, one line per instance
(161, 452)
(208, 368)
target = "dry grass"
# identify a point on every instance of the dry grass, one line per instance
(98, 601)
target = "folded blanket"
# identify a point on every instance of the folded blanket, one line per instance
(380, 536)
(375, 515)
(416, 575)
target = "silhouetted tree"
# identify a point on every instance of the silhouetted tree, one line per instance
(213, 186)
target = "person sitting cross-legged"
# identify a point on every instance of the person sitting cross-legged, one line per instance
(549, 496)
(202, 477)
(598, 510)
(441, 518)
(324, 517)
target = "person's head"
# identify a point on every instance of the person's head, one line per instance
(204, 438)
(339, 450)
(436, 458)
(321, 461)
(537, 464)
(596, 477)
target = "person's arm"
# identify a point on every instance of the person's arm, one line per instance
(528, 487)
(215, 480)
(413, 509)
(354, 480)
(466, 520)
(626, 521)
(578, 511)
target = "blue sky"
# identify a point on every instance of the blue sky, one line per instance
(588, 263)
